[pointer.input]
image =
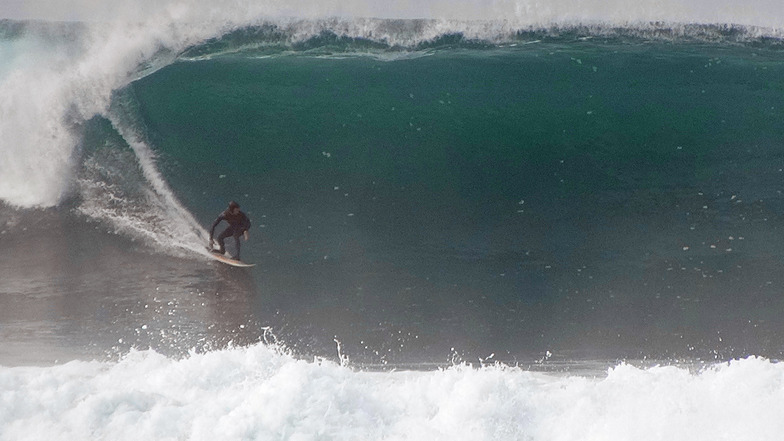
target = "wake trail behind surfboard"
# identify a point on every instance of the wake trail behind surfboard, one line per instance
(131, 195)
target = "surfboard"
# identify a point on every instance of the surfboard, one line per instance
(230, 261)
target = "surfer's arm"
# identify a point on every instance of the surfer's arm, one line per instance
(215, 224)
(245, 226)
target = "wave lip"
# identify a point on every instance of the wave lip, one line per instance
(380, 37)
(48, 91)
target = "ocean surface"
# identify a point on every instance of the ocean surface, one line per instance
(463, 229)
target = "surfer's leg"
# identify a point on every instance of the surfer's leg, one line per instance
(222, 238)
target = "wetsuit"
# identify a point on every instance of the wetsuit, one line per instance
(238, 224)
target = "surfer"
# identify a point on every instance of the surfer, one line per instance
(238, 226)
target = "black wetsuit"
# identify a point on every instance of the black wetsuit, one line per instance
(238, 224)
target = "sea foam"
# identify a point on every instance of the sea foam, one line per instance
(45, 98)
(261, 393)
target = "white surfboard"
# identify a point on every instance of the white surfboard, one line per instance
(230, 261)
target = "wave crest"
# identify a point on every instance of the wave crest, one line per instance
(337, 35)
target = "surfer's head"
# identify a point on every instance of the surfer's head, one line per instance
(234, 207)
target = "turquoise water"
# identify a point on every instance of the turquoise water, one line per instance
(595, 195)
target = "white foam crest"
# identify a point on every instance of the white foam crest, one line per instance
(258, 393)
(44, 96)
(764, 13)
(39, 104)
(31, 172)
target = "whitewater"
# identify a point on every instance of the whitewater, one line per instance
(113, 329)
(260, 393)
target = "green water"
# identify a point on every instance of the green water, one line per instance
(481, 123)
(592, 194)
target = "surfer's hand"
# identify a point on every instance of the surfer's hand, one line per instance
(246, 235)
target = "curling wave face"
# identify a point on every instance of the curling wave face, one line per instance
(56, 76)
(59, 76)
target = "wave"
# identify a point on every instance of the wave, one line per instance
(260, 392)
(58, 76)
(49, 90)
(390, 40)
